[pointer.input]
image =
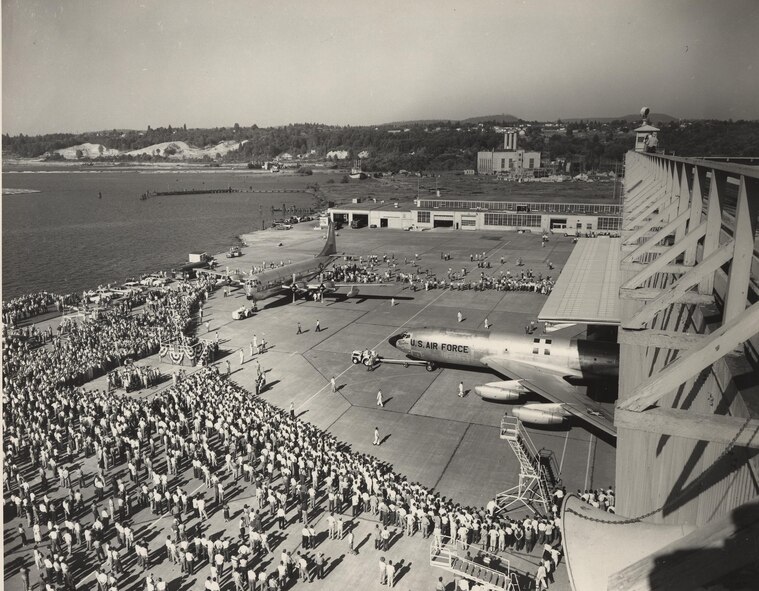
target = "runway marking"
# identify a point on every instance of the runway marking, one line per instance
(450, 459)
(563, 452)
(374, 347)
(587, 465)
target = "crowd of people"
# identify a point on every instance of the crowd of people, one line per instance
(133, 377)
(143, 450)
(29, 306)
(88, 347)
(231, 441)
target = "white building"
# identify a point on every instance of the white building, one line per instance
(464, 214)
(509, 161)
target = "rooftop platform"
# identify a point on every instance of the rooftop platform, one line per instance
(587, 290)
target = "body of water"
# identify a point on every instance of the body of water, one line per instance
(66, 239)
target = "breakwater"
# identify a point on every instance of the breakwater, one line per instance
(205, 191)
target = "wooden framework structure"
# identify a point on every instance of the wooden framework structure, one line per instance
(688, 441)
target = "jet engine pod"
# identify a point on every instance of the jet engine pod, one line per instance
(548, 413)
(507, 391)
(328, 285)
(353, 292)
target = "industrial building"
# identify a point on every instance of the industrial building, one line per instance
(464, 214)
(510, 160)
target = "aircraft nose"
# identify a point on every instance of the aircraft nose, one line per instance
(394, 339)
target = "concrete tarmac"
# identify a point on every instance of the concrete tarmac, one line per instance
(429, 434)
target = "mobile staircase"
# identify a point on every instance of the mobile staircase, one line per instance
(488, 570)
(537, 471)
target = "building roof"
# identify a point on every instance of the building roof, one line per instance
(371, 206)
(647, 127)
(587, 290)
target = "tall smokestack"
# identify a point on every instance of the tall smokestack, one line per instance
(510, 141)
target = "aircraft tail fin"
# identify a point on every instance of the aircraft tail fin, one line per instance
(330, 247)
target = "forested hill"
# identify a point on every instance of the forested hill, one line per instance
(435, 146)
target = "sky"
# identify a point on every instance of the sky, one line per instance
(83, 65)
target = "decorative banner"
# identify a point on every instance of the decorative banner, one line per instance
(176, 357)
(163, 351)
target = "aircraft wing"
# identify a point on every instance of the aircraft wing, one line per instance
(551, 385)
(314, 286)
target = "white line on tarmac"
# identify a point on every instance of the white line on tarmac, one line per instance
(375, 346)
(563, 452)
(587, 466)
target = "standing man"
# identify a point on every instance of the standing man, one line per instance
(300, 330)
(318, 326)
(376, 436)
(242, 356)
(292, 410)
(540, 578)
(251, 349)
(461, 389)
(320, 565)
(333, 381)
(390, 574)
(487, 324)
(459, 317)
(380, 402)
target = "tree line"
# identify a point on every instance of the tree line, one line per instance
(434, 146)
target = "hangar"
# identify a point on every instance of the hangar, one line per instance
(575, 219)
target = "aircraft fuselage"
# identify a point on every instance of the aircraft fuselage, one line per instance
(277, 281)
(578, 358)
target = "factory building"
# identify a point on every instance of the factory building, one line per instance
(510, 160)
(461, 214)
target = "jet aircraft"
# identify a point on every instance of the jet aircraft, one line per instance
(298, 277)
(534, 364)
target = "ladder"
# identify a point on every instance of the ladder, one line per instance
(534, 487)
(486, 569)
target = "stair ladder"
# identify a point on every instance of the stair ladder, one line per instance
(534, 486)
(446, 556)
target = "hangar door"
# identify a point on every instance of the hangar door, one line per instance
(468, 223)
(442, 221)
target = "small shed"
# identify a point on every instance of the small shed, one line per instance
(198, 257)
(640, 136)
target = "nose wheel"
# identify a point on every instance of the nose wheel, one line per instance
(429, 366)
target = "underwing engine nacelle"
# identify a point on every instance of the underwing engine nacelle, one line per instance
(327, 286)
(548, 413)
(507, 391)
(353, 291)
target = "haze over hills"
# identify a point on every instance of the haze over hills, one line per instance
(505, 119)
(661, 117)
